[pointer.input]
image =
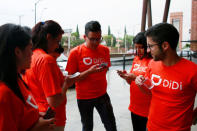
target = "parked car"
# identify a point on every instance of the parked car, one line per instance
(61, 62)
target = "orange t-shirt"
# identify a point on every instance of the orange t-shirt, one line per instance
(173, 95)
(45, 79)
(82, 58)
(139, 101)
(15, 115)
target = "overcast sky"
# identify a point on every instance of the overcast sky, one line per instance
(68, 13)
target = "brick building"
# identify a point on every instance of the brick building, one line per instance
(194, 26)
(176, 18)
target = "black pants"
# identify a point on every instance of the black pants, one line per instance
(139, 122)
(104, 108)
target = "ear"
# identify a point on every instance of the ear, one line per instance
(165, 45)
(18, 52)
(48, 36)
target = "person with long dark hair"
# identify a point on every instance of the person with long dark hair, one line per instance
(45, 79)
(139, 101)
(18, 111)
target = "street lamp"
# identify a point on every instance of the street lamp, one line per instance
(35, 9)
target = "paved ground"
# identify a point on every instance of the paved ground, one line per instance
(119, 93)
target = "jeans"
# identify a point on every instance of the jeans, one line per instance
(104, 108)
(139, 122)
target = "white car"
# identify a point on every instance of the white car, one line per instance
(61, 62)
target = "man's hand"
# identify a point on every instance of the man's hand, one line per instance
(96, 68)
(139, 80)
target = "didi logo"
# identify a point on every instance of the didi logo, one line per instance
(87, 61)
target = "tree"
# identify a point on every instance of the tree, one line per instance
(110, 40)
(109, 31)
(77, 32)
(63, 40)
(77, 42)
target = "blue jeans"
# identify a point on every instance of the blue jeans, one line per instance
(104, 108)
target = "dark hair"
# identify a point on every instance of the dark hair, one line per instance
(60, 49)
(40, 31)
(141, 39)
(12, 36)
(92, 26)
(164, 32)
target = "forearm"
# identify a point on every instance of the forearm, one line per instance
(56, 100)
(130, 77)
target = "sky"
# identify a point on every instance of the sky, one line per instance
(114, 13)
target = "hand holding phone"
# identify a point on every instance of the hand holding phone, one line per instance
(50, 113)
(103, 65)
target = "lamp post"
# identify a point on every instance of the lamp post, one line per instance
(35, 9)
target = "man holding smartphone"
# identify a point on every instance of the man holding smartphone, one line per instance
(174, 79)
(91, 87)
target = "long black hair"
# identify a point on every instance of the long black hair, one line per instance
(140, 38)
(40, 31)
(12, 36)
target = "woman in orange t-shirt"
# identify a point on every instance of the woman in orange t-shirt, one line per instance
(44, 78)
(139, 101)
(18, 111)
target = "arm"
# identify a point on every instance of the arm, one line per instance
(92, 69)
(43, 125)
(127, 76)
(57, 99)
(53, 83)
(139, 82)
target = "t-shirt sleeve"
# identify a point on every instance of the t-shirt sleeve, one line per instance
(72, 62)
(49, 78)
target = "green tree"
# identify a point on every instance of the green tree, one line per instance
(110, 40)
(77, 32)
(63, 40)
(109, 31)
(129, 41)
(77, 42)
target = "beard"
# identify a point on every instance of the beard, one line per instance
(160, 55)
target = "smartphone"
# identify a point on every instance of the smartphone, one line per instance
(75, 75)
(50, 113)
(103, 65)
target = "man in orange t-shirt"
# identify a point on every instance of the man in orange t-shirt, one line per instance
(92, 60)
(174, 79)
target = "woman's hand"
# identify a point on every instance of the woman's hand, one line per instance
(43, 125)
